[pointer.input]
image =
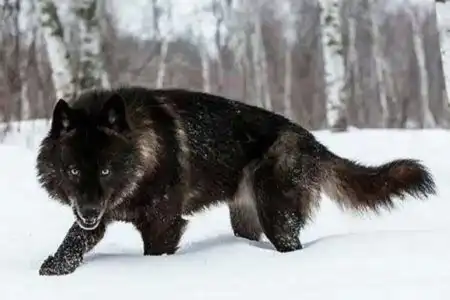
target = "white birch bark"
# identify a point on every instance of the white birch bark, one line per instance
(290, 38)
(262, 91)
(205, 69)
(162, 64)
(246, 67)
(241, 43)
(353, 88)
(443, 18)
(219, 11)
(379, 62)
(287, 96)
(102, 11)
(164, 40)
(334, 63)
(91, 72)
(20, 86)
(25, 107)
(257, 70)
(427, 116)
(53, 32)
(262, 61)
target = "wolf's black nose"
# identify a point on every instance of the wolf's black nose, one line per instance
(89, 214)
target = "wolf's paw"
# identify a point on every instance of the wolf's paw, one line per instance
(58, 266)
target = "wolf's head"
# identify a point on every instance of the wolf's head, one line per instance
(88, 160)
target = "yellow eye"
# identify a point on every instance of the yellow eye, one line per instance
(105, 172)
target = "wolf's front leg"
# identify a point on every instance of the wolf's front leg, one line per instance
(71, 251)
(161, 237)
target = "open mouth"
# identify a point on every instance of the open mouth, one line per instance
(89, 220)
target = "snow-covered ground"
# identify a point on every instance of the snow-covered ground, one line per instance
(404, 254)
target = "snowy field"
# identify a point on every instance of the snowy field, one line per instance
(404, 254)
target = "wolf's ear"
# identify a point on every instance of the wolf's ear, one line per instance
(114, 115)
(62, 120)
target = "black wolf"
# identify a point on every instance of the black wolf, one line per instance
(149, 157)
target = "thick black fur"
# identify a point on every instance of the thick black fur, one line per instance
(150, 156)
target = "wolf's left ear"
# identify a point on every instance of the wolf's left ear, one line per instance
(114, 115)
(62, 119)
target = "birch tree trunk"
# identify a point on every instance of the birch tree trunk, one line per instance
(428, 120)
(352, 88)
(443, 18)
(164, 42)
(290, 38)
(105, 31)
(91, 73)
(257, 69)
(53, 32)
(262, 60)
(205, 69)
(379, 64)
(13, 63)
(219, 12)
(162, 64)
(24, 109)
(246, 71)
(259, 57)
(334, 63)
(287, 96)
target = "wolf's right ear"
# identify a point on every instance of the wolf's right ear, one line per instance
(61, 120)
(114, 115)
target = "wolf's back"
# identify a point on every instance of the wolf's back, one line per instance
(371, 188)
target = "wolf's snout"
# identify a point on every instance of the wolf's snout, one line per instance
(89, 215)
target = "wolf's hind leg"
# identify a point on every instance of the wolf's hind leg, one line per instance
(69, 255)
(243, 213)
(161, 237)
(244, 221)
(287, 184)
(279, 206)
(282, 227)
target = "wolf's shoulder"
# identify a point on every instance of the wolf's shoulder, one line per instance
(95, 98)
(184, 102)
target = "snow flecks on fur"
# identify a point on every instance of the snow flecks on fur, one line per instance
(287, 236)
(69, 255)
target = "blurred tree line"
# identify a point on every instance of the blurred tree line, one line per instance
(322, 63)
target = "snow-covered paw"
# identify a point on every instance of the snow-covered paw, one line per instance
(58, 266)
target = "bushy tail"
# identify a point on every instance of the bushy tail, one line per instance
(371, 188)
